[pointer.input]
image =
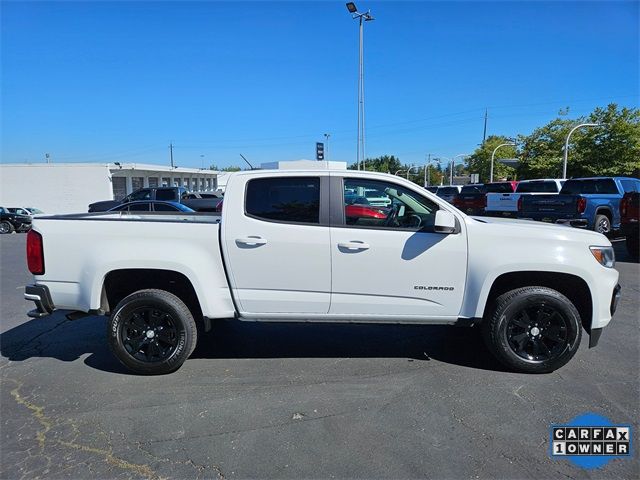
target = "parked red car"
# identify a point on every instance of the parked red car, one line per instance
(630, 222)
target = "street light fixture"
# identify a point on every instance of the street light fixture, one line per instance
(367, 17)
(566, 144)
(513, 144)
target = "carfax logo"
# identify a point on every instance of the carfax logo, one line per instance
(590, 440)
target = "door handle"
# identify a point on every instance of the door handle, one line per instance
(354, 245)
(251, 240)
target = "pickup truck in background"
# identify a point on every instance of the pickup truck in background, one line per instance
(195, 201)
(290, 248)
(506, 204)
(472, 199)
(449, 193)
(591, 203)
(630, 222)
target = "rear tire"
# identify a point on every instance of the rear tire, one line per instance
(6, 227)
(602, 225)
(533, 329)
(152, 332)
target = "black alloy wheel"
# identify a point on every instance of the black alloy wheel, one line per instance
(149, 334)
(537, 333)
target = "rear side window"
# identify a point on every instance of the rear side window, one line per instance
(288, 199)
(629, 185)
(590, 186)
(537, 187)
(167, 194)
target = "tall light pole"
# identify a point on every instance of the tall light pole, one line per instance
(426, 167)
(362, 17)
(453, 161)
(326, 146)
(493, 155)
(566, 144)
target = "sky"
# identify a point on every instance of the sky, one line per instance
(120, 81)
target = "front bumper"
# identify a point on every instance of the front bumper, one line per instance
(39, 294)
(594, 334)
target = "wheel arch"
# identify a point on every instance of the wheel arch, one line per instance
(571, 286)
(120, 283)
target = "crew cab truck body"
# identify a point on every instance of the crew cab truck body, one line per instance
(286, 251)
(473, 197)
(506, 204)
(591, 203)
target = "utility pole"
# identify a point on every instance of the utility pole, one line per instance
(484, 135)
(171, 153)
(48, 157)
(426, 179)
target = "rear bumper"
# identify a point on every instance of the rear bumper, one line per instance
(549, 218)
(39, 294)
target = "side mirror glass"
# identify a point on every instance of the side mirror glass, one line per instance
(445, 222)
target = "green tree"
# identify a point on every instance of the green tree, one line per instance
(612, 149)
(480, 160)
(384, 164)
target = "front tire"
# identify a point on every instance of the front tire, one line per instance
(152, 332)
(6, 227)
(533, 329)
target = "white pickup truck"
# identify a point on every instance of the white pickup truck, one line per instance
(289, 248)
(506, 204)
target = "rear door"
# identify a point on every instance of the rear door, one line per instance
(276, 243)
(387, 262)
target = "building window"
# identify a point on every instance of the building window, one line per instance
(185, 183)
(208, 184)
(176, 182)
(119, 185)
(137, 183)
(153, 182)
(202, 184)
(166, 181)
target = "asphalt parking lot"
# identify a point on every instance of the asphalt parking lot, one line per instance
(299, 401)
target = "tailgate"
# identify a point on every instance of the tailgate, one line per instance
(502, 202)
(552, 204)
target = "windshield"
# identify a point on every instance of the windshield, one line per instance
(473, 189)
(590, 186)
(537, 187)
(499, 187)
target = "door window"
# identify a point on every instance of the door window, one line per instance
(164, 207)
(287, 199)
(139, 207)
(376, 204)
(140, 195)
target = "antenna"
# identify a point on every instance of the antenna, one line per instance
(250, 166)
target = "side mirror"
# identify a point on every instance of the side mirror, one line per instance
(445, 222)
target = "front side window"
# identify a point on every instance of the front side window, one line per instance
(286, 199)
(139, 207)
(395, 207)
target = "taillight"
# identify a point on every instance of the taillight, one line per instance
(35, 253)
(623, 205)
(581, 204)
(520, 204)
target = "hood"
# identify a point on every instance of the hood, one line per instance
(530, 227)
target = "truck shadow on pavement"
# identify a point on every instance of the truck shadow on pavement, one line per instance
(57, 337)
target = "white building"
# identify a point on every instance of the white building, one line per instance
(71, 187)
(304, 165)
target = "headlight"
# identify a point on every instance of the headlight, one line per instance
(604, 255)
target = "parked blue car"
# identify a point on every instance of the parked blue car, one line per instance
(592, 203)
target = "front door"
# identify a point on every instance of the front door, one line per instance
(386, 259)
(277, 250)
